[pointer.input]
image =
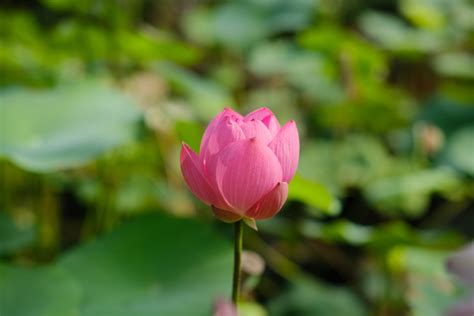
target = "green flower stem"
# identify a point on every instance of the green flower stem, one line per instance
(238, 240)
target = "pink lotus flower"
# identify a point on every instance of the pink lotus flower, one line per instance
(244, 165)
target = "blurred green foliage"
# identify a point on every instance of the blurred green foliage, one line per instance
(96, 96)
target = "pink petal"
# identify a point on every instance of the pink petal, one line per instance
(212, 125)
(225, 216)
(226, 131)
(270, 204)
(272, 124)
(286, 146)
(243, 172)
(255, 128)
(258, 114)
(194, 177)
(267, 117)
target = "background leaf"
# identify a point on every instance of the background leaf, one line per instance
(155, 265)
(63, 127)
(14, 236)
(313, 194)
(307, 297)
(48, 291)
(459, 150)
(430, 291)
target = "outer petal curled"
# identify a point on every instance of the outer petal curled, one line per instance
(286, 146)
(244, 172)
(194, 177)
(270, 204)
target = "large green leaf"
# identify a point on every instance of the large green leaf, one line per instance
(238, 25)
(392, 33)
(352, 162)
(48, 291)
(307, 297)
(430, 291)
(340, 231)
(301, 68)
(427, 14)
(14, 236)
(314, 195)
(459, 151)
(447, 114)
(410, 192)
(155, 265)
(63, 127)
(456, 65)
(207, 97)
